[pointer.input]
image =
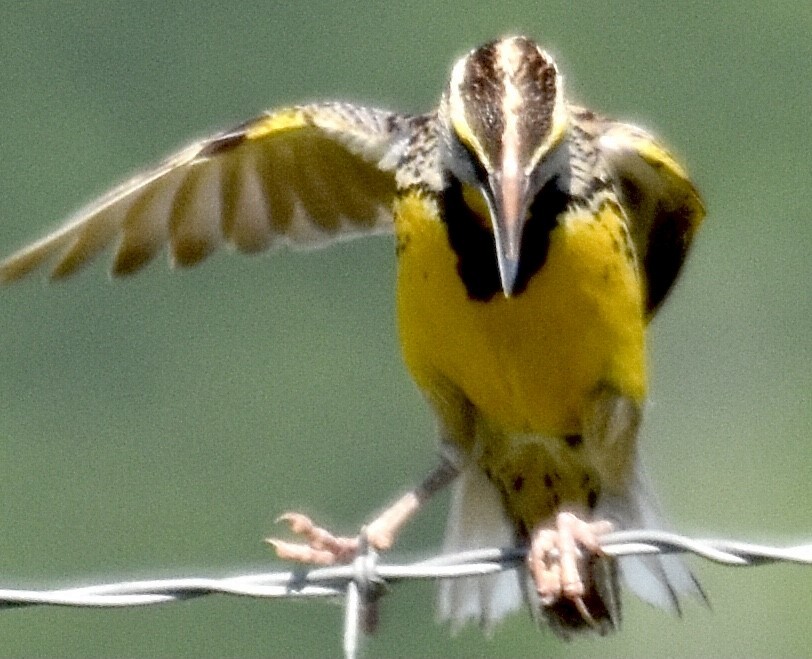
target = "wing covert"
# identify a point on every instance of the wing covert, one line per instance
(302, 176)
(664, 208)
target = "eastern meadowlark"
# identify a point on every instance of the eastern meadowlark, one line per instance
(535, 240)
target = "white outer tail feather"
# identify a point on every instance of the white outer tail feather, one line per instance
(477, 520)
(658, 580)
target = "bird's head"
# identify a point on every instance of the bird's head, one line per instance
(504, 116)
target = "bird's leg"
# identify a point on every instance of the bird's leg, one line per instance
(321, 547)
(556, 554)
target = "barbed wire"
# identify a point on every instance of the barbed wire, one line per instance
(363, 581)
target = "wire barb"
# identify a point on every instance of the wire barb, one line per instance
(364, 581)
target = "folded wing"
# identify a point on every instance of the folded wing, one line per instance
(302, 176)
(664, 208)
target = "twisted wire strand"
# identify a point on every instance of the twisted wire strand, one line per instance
(363, 581)
(333, 581)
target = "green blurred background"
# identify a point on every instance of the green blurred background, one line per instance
(156, 426)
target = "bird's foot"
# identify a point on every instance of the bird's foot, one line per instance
(556, 557)
(320, 547)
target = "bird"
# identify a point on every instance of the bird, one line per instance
(535, 240)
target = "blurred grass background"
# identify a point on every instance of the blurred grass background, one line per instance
(157, 426)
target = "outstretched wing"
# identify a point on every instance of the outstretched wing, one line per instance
(301, 176)
(664, 207)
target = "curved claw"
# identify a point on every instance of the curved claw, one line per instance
(320, 547)
(555, 556)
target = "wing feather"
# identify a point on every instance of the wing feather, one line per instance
(246, 212)
(302, 176)
(664, 208)
(144, 230)
(195, 218)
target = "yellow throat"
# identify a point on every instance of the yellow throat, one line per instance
(529, 362)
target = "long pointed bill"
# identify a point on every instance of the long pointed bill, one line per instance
(509, 210)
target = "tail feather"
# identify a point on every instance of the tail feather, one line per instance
(601, 599)
(658, 580)
(477, 520)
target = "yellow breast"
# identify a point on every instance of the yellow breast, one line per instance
(529, 362)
